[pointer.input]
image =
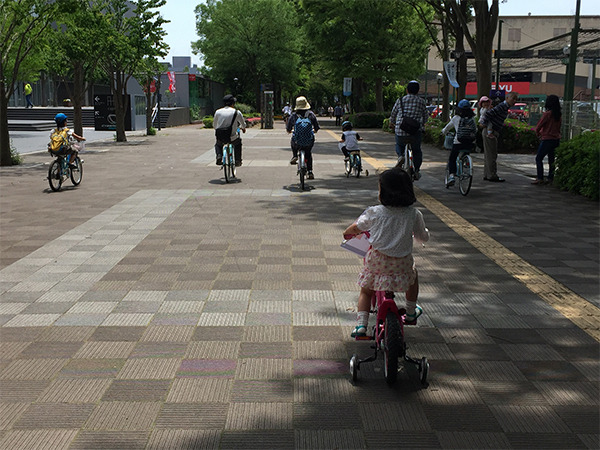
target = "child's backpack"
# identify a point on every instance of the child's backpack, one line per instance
(467, 130)
(303, 132)
(59, 140)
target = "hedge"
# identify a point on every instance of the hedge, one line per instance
(368, 119)
(578, 165)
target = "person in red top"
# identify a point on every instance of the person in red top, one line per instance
(548, 130)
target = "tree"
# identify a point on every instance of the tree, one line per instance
(372, 41)
(135, 35)
(482, 41)
(254, 41)
(22, 27)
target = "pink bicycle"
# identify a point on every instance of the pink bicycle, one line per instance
(388, 334)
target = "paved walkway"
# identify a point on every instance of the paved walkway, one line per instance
(155, 306)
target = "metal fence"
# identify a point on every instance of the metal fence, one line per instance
(577, 117)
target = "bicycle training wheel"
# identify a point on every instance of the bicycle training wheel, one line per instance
(76, 171)
(466, 177)
(55, 175)
(392, 340)
(357, 166)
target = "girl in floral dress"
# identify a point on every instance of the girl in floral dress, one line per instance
(389, 264)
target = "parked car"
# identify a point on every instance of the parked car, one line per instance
(585, 116)
(431, 108)
(519, 111)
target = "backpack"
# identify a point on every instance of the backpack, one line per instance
(303, 132)
(59, 140)
(467, 130)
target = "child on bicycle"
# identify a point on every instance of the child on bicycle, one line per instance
(389, 264)
(463, 138)
(73, 139)
(349, 140)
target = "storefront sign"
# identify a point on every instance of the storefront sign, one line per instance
(520, 87)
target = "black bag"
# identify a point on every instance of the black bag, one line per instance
(408, 124)
(467, 130)
(224, 134)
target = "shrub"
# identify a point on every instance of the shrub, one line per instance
(516, 135)
(207, 121)
(245, 109)
(386, 125)
(152, 131)
(195, 112)
(15, 156)
(578, 165)
(433, 132)
(368, 119)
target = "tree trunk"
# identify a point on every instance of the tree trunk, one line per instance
(78, 94)
(148, 108)
(5, 159)
(119, 100)
(379, 94)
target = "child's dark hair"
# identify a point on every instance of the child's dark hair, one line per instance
(396, 188)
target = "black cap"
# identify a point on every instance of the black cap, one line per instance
(229, 99)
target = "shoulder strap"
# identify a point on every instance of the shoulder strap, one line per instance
(234, 117)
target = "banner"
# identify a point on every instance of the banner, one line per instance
(347, 87)
(171, 76)
(520, 87)
(450, 69)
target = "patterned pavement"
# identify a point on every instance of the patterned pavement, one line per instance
(155, 306)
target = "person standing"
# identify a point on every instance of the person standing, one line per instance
(413, 107)
(28, 91)
(548, 130)
(229, 118)
(494, 117)
(338, 112)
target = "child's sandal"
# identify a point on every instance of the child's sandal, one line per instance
(411, 319)
(359, 331)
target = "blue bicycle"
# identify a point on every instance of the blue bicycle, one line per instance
(228, 162)
(64, 167)
(354, 164)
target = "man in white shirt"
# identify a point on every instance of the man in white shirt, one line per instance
(224, 118)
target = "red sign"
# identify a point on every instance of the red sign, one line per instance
(520, 87)
(191, 77)
(171, 76)
(153, 86)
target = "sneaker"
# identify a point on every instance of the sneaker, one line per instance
(238, 164)
(411, 319)
(294, 160)
(417, 175)
(219, 162)
(359, 331)
(346, 159)
(310, 176)
(450, 180)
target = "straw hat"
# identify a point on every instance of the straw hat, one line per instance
(302, 103)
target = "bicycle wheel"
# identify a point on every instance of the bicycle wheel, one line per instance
(232, 168)
(466, 175)
(392, 339)
(301, 168)
(77, 171)
(446, 178)
(357, 166)
(348, 166)
(55, 175)
(226, 163)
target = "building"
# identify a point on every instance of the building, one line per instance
(542, 71)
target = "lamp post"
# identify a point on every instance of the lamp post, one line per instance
(235, 84)
(439, 78)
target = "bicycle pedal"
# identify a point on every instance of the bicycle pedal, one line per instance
(364, 338)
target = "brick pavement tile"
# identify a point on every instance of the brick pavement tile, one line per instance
(262, 391)
(10, 413)
(582, 353)
(392, 440)
(319, 350)
(320, 390)
(48, 308)
(569, 393)
(18, 391)
(328, 416)
(168, 439)
(221, 319)
(32, 369)
(590, 369)
(150, 368)
(226, 306)
(580, 419)
(113, 440)
(396, 416)
(451, 392)
(92, 368)
(310, 439)
(461, 417)
(54, 415)
(38, 439)
(265, 350)
(103, 296)
(76, 390)
(264, 369)
(137, 391)
(166, 333)
(492, 371)
(549, 371)
(159, 350)
(192, 415)
(123, 416)
(11, 350)
(472, 440)
(546, 441)
(433, 351)
(223, 368)
(465, 336)
(212, 350)
(200, 390)
(218, 333)
(515, 336)
(280, 439)
(103, 349)
(528, 419)
(317, 333)
(462, 321)
(259, 416)
(32, 320)
(47, 349)
(116, 333)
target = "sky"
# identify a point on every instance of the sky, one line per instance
(181, 31)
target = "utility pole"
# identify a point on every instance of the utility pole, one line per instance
(570, 81)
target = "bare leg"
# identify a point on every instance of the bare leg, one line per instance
(413, 291)
(364, 299)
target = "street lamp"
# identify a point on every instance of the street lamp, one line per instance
(439, 79)
(235, 86)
